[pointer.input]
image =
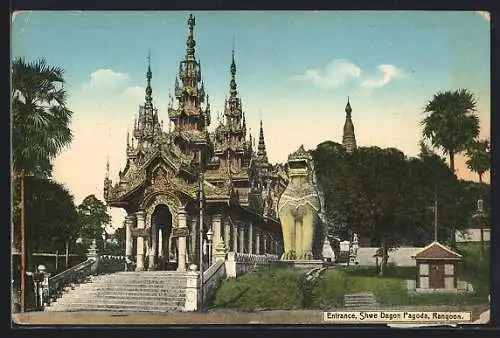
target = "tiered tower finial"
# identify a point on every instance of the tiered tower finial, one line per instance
(261, 152)
(349, 138)
(233, 90)
(149, 90)
(190, 41)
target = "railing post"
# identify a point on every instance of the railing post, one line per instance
(93, 254)
(231, 264)
(193, 294)
(220, 252)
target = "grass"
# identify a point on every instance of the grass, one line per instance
(261, 290)
(285, 289)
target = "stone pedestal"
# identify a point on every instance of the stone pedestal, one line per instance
(193, 294)
(220, 252)
(93, 254)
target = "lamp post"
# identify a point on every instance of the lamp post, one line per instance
(209, 241)
(38, 278)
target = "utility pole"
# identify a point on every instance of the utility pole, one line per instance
(436, 217)
(201, 234)
(23, 244)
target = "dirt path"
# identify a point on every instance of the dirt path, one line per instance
(211, 317)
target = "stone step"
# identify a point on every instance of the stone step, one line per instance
(119, 307)
(133, 295)
(132, 288)
(150, 291)
(130, 297)
(123, 301)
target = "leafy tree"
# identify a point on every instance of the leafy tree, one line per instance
(51, 214)
(451, 122)
(386, 197)
(93, 217)
(40, 128)
(479, 157)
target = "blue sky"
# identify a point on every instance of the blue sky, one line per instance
(295, 69)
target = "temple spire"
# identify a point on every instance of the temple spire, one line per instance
(233, 90)
(107, 167)
(190, 41)
(261, 152)
(149, 90)
(349, 138)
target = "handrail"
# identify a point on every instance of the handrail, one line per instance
(76, 274)
(212, 278)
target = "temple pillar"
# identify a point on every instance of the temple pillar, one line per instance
(234, 247)
(193, 247)
(129, 223)
(217, 233)
(257, 242)
(160, 243)
(250, 238)
(152, 245)
(264, 242)
(227, 234)
(241, 245)
(181, 246)
(140, 242)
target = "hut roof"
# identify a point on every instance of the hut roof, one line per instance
(436, 250)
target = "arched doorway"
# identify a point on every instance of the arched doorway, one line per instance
(166, 253)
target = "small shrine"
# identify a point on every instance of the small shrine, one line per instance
(436, 268)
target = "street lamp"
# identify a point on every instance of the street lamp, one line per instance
(38, 278)
(209, 240)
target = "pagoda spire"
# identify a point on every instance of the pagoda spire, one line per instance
(190, 43)
(232, 85)
(149, 90)
(261, 152)
(107, 167)
(349, 138)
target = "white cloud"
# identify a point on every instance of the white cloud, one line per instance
(387, 73)
(106, 79)
(485, 15)
(135, 93)
(335, 74)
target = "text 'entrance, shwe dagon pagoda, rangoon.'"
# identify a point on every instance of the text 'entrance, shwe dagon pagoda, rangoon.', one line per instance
(166, 171)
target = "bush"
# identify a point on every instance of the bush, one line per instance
(330, 289)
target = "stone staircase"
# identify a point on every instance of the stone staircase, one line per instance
(364, 300)
(145, 291)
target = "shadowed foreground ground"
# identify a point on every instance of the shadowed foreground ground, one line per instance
(212, 317)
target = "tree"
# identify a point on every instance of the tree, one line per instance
(386, 197)
(93, 217)
(51, 215)
(40, 128)
(451, 122)
(479, 157)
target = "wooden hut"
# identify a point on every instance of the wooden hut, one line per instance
(436, 268)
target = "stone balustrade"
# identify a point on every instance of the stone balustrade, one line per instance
(238, 264)
(53, 286)
(109, 264)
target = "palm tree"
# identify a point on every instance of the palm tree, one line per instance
(479, 162)
(451, 122)
(479, 156)
(40, 128)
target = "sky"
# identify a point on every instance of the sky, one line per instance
(295, 71)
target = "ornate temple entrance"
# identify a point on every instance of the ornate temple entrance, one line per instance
(166, 258)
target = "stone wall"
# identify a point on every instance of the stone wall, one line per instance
(399, 257)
